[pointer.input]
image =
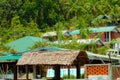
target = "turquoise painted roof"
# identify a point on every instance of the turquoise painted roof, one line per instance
(10, 57)
(24, 44)
(48, 48)
(95, 30)
(103, 29)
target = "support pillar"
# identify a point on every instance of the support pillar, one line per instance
(68, 72)
(78, 71)
(15, 72)
(38, 72)
(27, 72)
(57, 72)
(43, 71)
(34, 71)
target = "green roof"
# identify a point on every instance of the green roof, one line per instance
(10, 57)
(102, 29)
(48, 48)
(96, 30)
(21, 45)
(24, 44)
(90, 54)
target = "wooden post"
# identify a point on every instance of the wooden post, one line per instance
(15, 71)
(18, 72)
(27, 72)
(43, 71)
(78, 71)
(38, 72)
(57, 72)
(34, 71)
(110, 58)
(68, 72)
(40, 67)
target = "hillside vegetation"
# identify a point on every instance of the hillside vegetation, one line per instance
(19, 18)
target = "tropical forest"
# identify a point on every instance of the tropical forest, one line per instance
(79, 32)
(19, 18)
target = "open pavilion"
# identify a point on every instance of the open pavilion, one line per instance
(56, 59)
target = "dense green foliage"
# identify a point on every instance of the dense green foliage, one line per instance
(31, 17)
(66, 77)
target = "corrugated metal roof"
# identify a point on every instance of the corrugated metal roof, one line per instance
(54, 33)
(49, 34)
(9, 57)
(81, 41)
(48, 48)
(103, 29)
(90, 54)
(25, 43)
(95, 30)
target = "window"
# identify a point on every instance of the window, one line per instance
(108, 36)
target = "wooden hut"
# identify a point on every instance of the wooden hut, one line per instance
(56, 59)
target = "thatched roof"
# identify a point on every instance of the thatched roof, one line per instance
(54, 58)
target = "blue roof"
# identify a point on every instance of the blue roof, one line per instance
(96, 30)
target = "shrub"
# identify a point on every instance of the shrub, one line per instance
(82, 76)
(66, 77)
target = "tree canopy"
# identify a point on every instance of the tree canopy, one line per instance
(31, 17)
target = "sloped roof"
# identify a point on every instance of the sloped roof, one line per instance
(97, 56)
(54, 33)
(9, 57)
(24, 44)
(48, 48)
(54, 58)
(82, 41)
(102, 18)
(96, 30)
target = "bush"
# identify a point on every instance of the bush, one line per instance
(66, 77)
(82, 76)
